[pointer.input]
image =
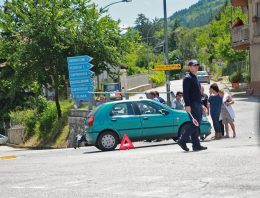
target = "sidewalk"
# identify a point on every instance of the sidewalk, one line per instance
(9, 148)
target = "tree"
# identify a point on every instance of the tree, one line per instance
(38, 36)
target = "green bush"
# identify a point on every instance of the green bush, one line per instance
(133, 70)
(236, 77)
(46, 120)
(41, 104)
(21, 117)
(246, 77)
(43, 120)
(26, 118)
(158, 77)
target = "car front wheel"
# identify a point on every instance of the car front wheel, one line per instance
(183, 129)
(107, 141)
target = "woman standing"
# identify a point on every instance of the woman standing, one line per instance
(215, 102)
(227, 113)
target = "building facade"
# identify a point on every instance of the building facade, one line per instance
(247, 37)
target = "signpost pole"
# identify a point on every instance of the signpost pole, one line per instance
(166, 53)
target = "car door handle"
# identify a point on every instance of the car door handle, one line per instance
(145, 118)
(113, 119)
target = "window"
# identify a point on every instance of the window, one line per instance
(149, 108)
(258, 10)
(257, 24)
(122, 109)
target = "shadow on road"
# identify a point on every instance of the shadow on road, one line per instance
(245, 98)
(140, 147)
(136, 147)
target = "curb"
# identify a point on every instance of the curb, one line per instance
(34, 147)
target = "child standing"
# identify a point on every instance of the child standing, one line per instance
(227, 113)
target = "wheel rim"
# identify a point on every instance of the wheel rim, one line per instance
(108, 141)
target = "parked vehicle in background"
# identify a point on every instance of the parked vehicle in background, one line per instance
(141, 119)
(3, 139)
(114, 89)
(203, 77)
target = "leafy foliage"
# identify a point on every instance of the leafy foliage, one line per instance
(158, 77)
(199, 14)
(236, 77)
(42, 122)
(37, 36)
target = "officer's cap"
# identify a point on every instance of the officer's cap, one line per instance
(193, 63)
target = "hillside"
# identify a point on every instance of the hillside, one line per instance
(199, 14)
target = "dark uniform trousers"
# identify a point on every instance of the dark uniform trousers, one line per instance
(192, 130)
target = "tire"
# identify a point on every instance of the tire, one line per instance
(107, 141)
(182, 129)
(202, 137)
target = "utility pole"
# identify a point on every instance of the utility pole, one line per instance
(166, 62)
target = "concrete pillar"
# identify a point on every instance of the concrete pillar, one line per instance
(123, 79)
(76, 122)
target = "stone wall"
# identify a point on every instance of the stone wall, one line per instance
(16, 135)
(76, 122)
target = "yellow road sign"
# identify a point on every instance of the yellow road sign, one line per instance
(167, 67)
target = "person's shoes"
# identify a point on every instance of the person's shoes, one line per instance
(200, 148)
(183, 146)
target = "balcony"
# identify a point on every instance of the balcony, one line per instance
(241, 3)
(240, 37)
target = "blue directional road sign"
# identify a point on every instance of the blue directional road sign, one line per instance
(78, 59)
(82, 96)
(81, 75)
(80, 66)
(81, 81)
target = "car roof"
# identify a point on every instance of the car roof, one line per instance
(130, 100)
(202, 72)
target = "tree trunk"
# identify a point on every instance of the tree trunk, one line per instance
(56, 97)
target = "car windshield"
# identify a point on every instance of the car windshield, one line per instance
(111, 87)
(201, 73)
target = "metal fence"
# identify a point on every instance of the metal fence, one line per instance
(241, 66)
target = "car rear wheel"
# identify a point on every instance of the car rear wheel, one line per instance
(107, 141)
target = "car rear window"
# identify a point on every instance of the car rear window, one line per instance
(93, 112)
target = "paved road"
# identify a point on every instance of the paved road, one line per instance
(229, 168)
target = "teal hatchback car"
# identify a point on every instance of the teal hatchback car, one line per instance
(139, 120)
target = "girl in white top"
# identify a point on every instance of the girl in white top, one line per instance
(227, 112)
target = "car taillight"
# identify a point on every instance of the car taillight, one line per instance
(91, 121)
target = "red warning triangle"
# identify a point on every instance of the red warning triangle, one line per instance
(126, 143)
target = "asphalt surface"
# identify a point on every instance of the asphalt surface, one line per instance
(229, 168)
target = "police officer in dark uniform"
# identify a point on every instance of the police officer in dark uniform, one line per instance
(192, 99)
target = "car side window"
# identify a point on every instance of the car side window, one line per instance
(148, 108)
(122, 109)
